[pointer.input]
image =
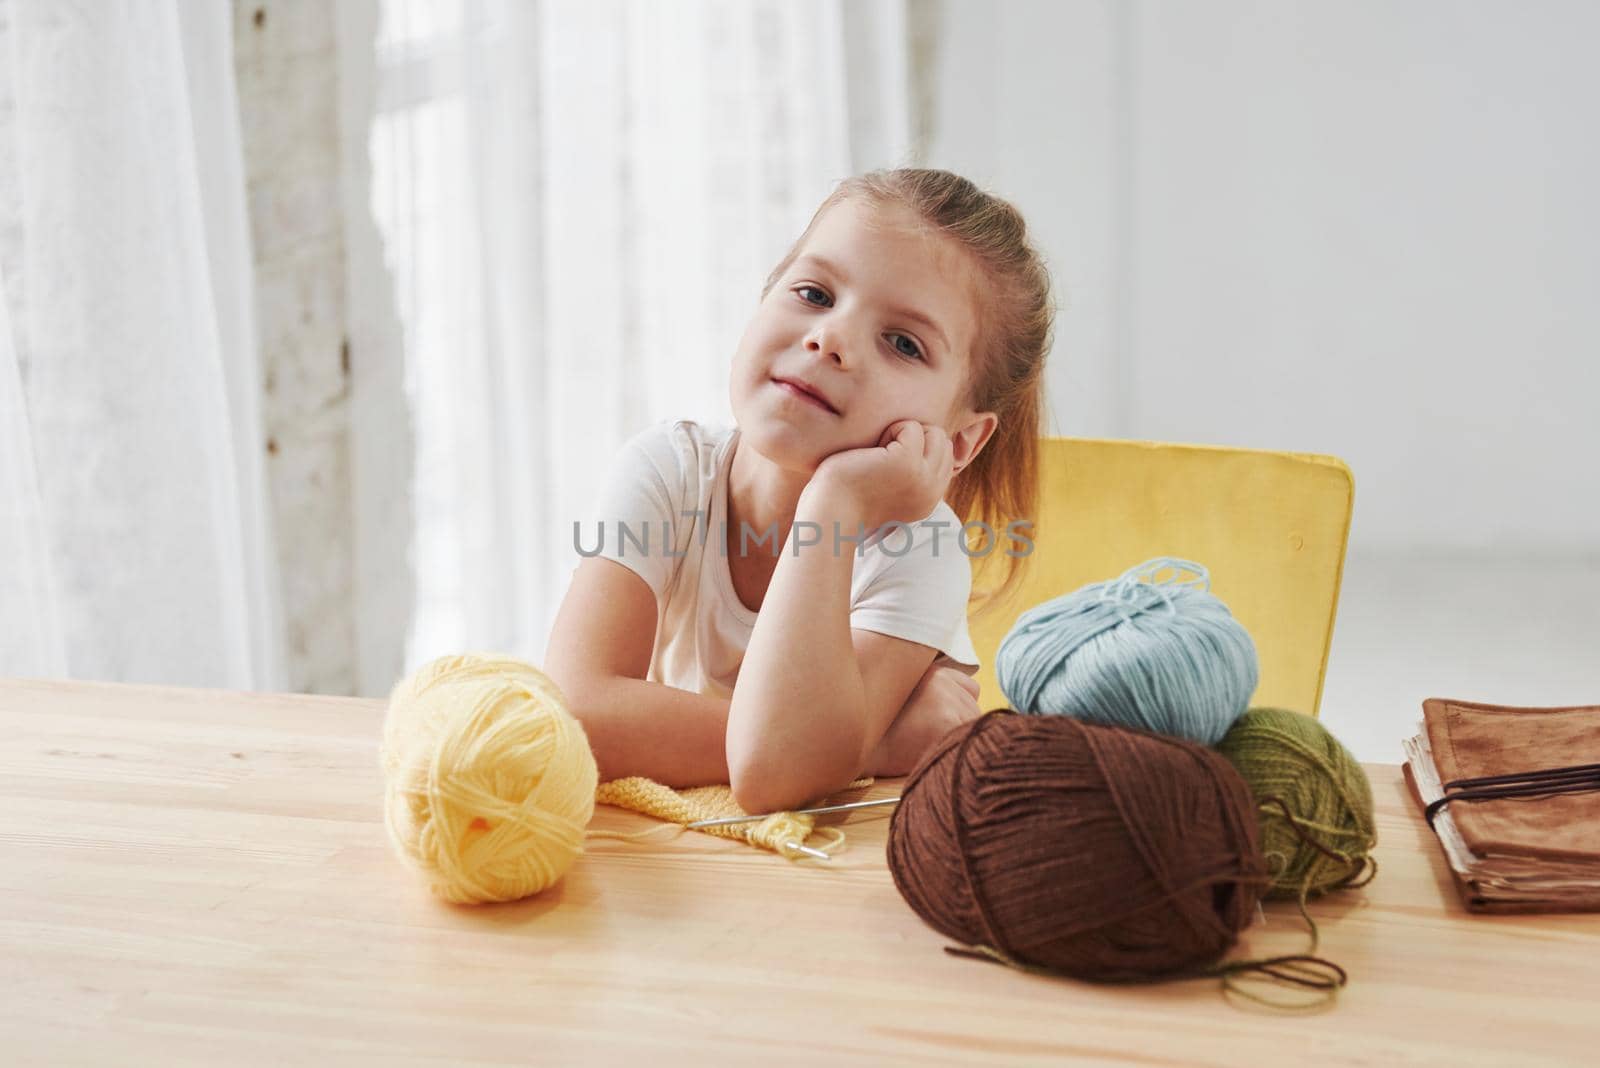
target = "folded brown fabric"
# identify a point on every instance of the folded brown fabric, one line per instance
(1531, 893)
(1557, 818)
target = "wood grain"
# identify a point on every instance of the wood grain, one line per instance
(190, 876)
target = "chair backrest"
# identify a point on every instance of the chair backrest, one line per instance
(1270, 526)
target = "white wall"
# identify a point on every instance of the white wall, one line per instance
(1025, 104)
(289, 121)
(1366, 229)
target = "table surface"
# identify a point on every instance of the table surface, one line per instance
(192, 873)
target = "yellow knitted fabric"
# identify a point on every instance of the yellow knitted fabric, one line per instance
(779, 832)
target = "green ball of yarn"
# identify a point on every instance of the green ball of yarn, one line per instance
(1313, 798)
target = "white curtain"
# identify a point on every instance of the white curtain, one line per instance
(578, 204)
(135, 540)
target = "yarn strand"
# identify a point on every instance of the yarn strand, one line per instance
(1318, 968)
(1358, 865)
(1322, 976)
(1294, 970)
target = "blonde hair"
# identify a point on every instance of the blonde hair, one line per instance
(1007, 373)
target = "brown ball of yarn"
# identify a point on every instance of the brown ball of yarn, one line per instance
(1093, 851)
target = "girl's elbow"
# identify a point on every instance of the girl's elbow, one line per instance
(783, 785)
(750, 795)
(758, 794)
(752, 782)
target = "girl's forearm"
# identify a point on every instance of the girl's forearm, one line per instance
(797, 721)
(645, 728)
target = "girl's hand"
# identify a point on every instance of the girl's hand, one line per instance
(944, 698)
(903, 477)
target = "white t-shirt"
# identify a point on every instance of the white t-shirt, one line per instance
(668, 490)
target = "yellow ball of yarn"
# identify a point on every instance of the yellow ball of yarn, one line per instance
(489, 780)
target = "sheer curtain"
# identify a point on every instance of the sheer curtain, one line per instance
(577, 205)
(135, 540)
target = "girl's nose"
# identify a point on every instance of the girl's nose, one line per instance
(826, 341)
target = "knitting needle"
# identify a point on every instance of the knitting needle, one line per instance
(819, 854)
(723, 821)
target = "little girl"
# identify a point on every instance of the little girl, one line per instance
(894, 364)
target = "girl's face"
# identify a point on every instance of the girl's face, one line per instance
(876, 315)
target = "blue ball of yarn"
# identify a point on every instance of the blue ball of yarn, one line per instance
(1155, 653)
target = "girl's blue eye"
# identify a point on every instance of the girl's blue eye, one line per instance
(902, 344)
(910, 348)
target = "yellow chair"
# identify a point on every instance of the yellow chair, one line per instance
(1270, 526)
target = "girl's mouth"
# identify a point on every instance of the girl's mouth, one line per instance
(798, 391)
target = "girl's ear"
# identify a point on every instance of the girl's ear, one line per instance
(968, 441)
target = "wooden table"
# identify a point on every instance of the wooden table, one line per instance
(191, 875)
